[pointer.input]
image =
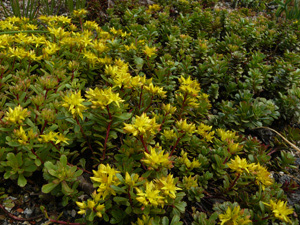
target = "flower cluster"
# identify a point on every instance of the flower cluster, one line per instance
(280, 210)
(157, 193)
(102, 98)
(261, 174)
(234, 216)
(156, 159)
(16, 115)
(74, 104)
(103, 179)
(142, 125)
(93, 205)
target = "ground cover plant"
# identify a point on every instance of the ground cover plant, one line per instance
(147, 118)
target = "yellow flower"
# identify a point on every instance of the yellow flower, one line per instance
(50, 49)
(131, 46)
(142, 125)
(155, 90)
(168, 186)
(91, 57)
(226, 135)
(169, 134)
(131, 180)
(80, 12)
(185, 127)
(73, 102)
(150, 196)
(168, 109)
(17, 52)
(280, 210)
(189, 86)
(149, 51)
(61, 138)
(22, 135)
(156, 159)
(102, 98)
(234, 147)
(203, 130)
(82, 206)
(58, 32)
(153, 8)
(234, 217)
(262, 175)
(189, 182)
(92, 25)
(238, 165)
(103, 178)
(92, 205)
(185, 160)
(146, 220)
(45, 138)
(64, 19)
(16, 115)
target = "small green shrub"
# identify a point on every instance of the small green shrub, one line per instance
(150, 110)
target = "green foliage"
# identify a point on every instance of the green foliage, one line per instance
(152, 107)
(62, 179)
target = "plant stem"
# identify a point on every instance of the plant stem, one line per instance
(234, 182)
(86, 171)
(19, 218)
(107, 132)
(37, 156)
(43, 128)
(64, 222)
(178, 139)
(82, 132)
(144, 144)
(149, 104)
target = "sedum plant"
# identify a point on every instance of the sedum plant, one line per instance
(150, 112)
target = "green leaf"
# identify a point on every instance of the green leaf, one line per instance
(176, 220)
(47, 188)
(37, 162)
(180, 206)
(65, 188)
(22, 180)
(63, 160)
(124, 116)
(128, 210)
(165, 220)
(120, 177)
(118, 189)
(120, 200)
(30, 168)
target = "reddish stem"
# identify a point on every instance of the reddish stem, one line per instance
(173, 149)
(37, 156)
(149, 104)
(43, 128)
(90, 147)
(234, 182)
(144, 144)
(86, 171)
(55, 145)
(107, 132)
(64, 222)
(19, 218)
(164, 119)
